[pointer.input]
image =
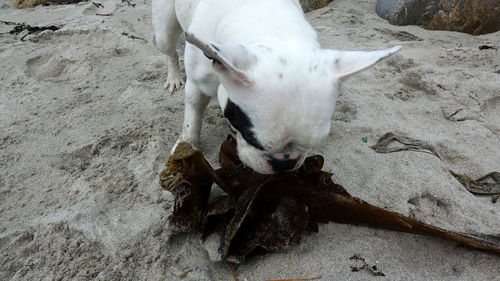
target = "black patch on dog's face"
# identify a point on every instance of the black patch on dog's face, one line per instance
(242, 123)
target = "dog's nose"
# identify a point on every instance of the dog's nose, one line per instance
(283, 161)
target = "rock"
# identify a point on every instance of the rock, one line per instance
(470, 16)
(309, 5)
(21, 4)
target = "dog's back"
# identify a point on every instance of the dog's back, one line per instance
(268, 22)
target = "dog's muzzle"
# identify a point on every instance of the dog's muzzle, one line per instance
(280, 162)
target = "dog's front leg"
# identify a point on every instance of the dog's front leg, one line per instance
(167, 31)
(194, 109)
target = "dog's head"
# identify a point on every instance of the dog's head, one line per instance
(280, 102)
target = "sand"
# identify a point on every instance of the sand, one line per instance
(85, 129)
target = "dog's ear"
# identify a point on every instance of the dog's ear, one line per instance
(228, 59)
(347, 63)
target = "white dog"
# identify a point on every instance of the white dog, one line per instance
(275, 84)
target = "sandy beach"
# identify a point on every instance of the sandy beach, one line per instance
(86, 127)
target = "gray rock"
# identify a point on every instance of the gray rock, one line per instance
(469, 16)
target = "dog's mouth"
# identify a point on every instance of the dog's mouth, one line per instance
(267, 162)
(284, 162)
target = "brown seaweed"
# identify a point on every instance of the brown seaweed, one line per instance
(20, 27)
(22, 4)
(382, 145)
(270, 212)
(134, 37)
(481, 185)
(300, 279)
(371, 268)
(189, 178)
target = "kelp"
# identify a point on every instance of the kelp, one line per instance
(22, 4)
(488, 184)
(270, 212)
(189, 178)
(20, 27)
(481, 185)
(371, 268)
(382, 145)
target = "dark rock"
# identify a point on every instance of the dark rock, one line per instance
(309, 5)
(470, 16)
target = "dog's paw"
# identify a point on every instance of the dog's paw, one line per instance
(174, 82)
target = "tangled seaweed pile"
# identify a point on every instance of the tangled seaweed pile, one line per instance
(271, 212)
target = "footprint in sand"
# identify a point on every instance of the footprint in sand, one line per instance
(427, 205)
(49, 67)
(55, 67)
